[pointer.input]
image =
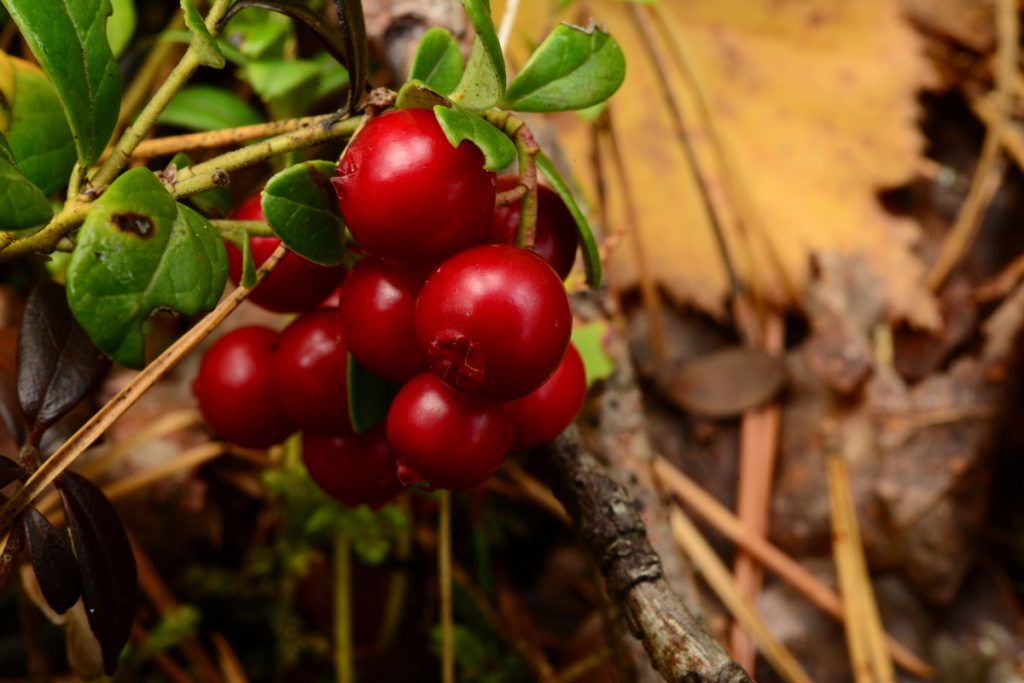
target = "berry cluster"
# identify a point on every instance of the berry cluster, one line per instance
(474, 329)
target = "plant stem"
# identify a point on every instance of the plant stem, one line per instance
(134, 134)
(124, 399)
(527, 149)
(444, 566)
(253, 228)
(343, 654)
(70, 217)
(141, 85)
(173, 144)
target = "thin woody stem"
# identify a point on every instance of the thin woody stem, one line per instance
(527, 150)
(227, 137)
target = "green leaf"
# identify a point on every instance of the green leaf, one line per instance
(121, 25)
(483, 82)
(69, 40)
(333, 76)
(416, 95)
(460, 125)
(139, 251)
(205, 107)
(203, 43)
(438, 62)
(588, 339)
(573, 68)
(259, 34)
(302, 208)
(36, 128)
(22, 204)
(274, 78)
(369, 396)
(591, 257)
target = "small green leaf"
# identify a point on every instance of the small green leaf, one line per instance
(302, 208)
(416, 95)
(369, 396)
(483, 82)
(121, 25)
(204, 107)
(589, 339)
(36, 128)
(438, 62)
(274, 78)
(333, 76)
(139, 251)
(259, 34)
(591, 257)
(22, 204)
(573, 68)
(460, 125)
(203, 43)
(69, 40)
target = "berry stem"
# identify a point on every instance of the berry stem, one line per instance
(527, 149)
(343, 656)
(444, 565)
(227, 228)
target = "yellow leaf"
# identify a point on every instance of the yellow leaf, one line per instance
(813, 106)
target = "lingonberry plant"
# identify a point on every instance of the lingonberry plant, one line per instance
(445, 349)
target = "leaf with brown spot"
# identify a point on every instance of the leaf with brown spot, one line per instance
(726, 383)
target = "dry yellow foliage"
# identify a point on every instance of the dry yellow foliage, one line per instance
(813, 104)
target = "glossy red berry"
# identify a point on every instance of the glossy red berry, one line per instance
(355, 469)
(377, 307)
(407, 194)
(556, 238)
(235, 389)
(295, 284)
(543, 414)
(445, 437)
(494, 321)
(310, 373)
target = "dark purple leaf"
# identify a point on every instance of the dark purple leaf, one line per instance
(57, 362)
(56, 568)
(9, 471)
(109, 579)
(15, 544)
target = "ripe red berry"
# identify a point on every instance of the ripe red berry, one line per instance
(407, 194)
(377, 308)
(444, 437)
(295, 284)
(355, 468)
(543, 414)
(310, 373)
(494, 321)
(556, 238)
(235, 389)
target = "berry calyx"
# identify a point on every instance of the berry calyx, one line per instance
(406, 194)
(541, 415)
(295, 284)
(377, 306)
(444, 437)
(310, 373)
(494, 320)
(555, 239)
(355, 468)
(235, 389)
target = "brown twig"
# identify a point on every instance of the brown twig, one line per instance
(213, 139)
(605, 517)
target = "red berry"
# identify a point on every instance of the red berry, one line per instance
(235, 389)
(494, 320)
(407, 194)
(556, 238)
(295, 284)
(355, 469)
(377, 308)
(310, 373)
(444, 437)
(543, 414)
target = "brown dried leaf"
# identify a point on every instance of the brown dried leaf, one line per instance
(726, 383)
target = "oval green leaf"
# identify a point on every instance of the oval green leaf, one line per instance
(139, 251)
(69, 40)
(121, 25)
(205, 107)
(588, 245)
(574, 68)
(417, 95)
(483, 82)
(438, 62)
(35, 125)
(302, 209)
(22, 204)
(369, 396)
(459, 125)
(202, 42)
